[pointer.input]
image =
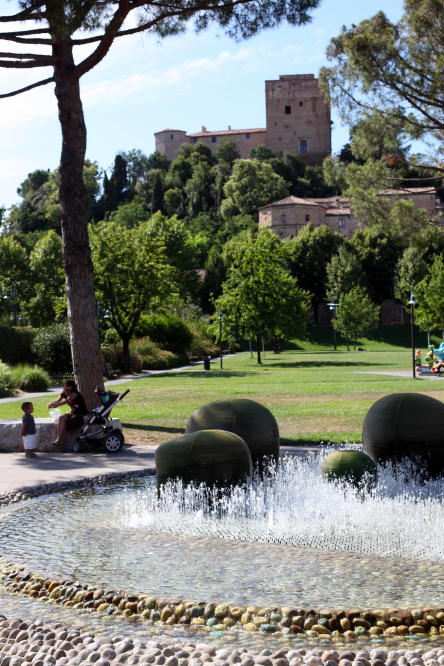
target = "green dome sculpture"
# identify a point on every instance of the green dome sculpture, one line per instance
(213, 457)
(246, 418)
(406, 425)
(351, 465)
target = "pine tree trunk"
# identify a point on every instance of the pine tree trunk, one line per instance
(346, 341)
(258, 343)
(79, 273)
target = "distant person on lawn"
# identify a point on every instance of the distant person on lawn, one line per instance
(69, 396)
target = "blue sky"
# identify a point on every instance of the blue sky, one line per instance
(184, 82)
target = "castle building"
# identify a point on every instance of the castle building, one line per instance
(287, 217)
(297, 120)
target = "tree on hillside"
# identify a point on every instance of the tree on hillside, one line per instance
(62, 26)
(143, 280)
(252, 184)
(308, 255)
(343, 273)
(137, 163)
(378, 254)
(261, 153)
(356, 314)
(29, 215)
(116, 189)
(410, 270)
(47, 288)
(429, 293)
(216, 268)
(260, 298)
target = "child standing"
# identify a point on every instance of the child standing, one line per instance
(28, 430)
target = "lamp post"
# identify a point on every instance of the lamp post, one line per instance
(220, 335)
(7, 297)
(334, 307)
(412, 303)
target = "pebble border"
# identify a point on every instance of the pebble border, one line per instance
(211, 616)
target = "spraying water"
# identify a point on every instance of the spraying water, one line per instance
(294, 505)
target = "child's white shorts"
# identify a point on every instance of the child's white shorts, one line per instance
(29, 441)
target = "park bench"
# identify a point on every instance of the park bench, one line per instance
(109, 371)
(191, 358)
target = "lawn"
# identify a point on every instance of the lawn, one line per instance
(315, 397)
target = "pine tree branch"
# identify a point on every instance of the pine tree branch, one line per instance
(10, 37)
(25, 15)
(30, 56)
(7, 64)
(22, 90)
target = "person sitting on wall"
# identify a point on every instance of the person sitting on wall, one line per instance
(69, 396)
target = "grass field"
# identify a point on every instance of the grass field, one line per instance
(322, 396)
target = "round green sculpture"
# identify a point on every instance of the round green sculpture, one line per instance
(246, 418)
(406, 425)
(213, 457)
(349, 465)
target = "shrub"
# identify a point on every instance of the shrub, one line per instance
(28, 378)
(5, 380)
(52, 349)
(113, 354)
(16, 344)
(170, 331)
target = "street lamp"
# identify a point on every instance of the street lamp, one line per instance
(220, 334)
(413, 302)
(334, 307)
(7, 297)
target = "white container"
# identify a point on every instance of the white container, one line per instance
(55, 415)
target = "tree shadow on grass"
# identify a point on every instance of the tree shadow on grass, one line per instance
(206, 374)
(325, 364)
(153, 428)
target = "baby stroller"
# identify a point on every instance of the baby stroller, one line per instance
(98, 430)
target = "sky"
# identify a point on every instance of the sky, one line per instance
(145, 85)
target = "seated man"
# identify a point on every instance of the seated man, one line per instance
(69, 396)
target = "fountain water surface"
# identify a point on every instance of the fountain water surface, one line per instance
(293, 538)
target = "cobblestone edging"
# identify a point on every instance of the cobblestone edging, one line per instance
(30, 492)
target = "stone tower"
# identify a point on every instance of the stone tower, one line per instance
(298, 119)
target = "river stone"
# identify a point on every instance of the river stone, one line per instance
(123, 647)
(378, 654)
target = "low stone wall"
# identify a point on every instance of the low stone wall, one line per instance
(46, 434)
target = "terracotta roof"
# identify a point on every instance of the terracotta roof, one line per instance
(338, 211)
(168, 130)
(226, 132)
(411, 190)
(292, 200)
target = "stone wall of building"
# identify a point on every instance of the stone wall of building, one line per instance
(245, 139)
(287, 219)
(298, 119)
(168, 141)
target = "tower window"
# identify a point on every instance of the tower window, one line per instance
(301, 103)
(214, 139)
(247, 136)
(303, 146)
(172, 137)
(307, 218)
(283, 218)
(195, 140)
(288, 110)
(342, 223)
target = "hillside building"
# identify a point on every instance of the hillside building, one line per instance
(287, 217)
(297, 120)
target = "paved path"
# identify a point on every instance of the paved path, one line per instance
(397, 373)
(115, 382)
(16, 471)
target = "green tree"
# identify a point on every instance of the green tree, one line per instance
(391, 73)
(227, 151)
(29, 215)
(65, 25)
(430, 296)
(410, 270)
(252, 184)
(13, 270)
(260, 298)
(48, 280)
(210, 289)
(261, 153)
(343, 273)
(131, 214)
(308, 255)
(143, 281)
(356, 314)
(172, 202)
(291, 167)
(51, 207)
(158, 161)
(137, 163)
(378, 254)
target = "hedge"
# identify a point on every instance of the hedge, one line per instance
(16, 344)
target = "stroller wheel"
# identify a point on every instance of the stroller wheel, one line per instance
(78, 447)
(113, 443)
